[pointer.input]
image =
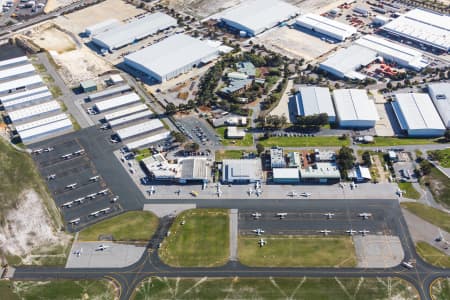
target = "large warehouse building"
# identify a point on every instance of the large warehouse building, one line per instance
(124, 34)
(354, 108)
(326, 26)
(424, 27)
(241, 170)
(417, 115)
(440, 94)
(256, 16)
(313, 101)
(171, 57)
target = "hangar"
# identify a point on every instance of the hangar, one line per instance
(33, 111)
(417, 115)
(354, 108)
(171, 57)
(256, 16)
(326, 26)
(440, 94)
(422, 26)
(139, 129)
(141, 27)
(45, 130)
(241, 170)
(143, 142)
(313, 101)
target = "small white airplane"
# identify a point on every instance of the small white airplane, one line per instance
(102, 247)
(151, 191)
(66, 156)
(79, 152)
(262, 242)
(94, 214)
(400, 192)
(257, 185)
(79, 200)
(104, 127)
(51, 177)
(113, 141)
(178, 192)
(329, 215)
(67, 204)
(218, 192)
(256, 215)
(365, 215)
(351, 232)
(305, 194)
(94, 178)
(78, 252)
(292, 194)
(258, 192)
(258, 231)
(115, 199)
(37, 151)
(75, 221)
(105, 210)
(103, 192)
(364, 232)
(250, 191)
(91, 196)
(71, 186)
(325, 232)
(49, 149)
(282, 215)
(408, 265)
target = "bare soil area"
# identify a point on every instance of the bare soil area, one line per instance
(52, 38)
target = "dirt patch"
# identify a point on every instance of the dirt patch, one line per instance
(55, 4)
(51, 38)
(28, 230)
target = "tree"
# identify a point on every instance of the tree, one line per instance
(178, 136)
(192, 147)
(171, 109)
(345, 158)
(259, 148)
(425, 167)
(367, 159)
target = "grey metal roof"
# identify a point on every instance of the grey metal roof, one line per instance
(314, 100)
(440, 94)
(354, 104)
(139, 28)
(169, 55)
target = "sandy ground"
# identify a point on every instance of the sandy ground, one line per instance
(79, 65)
(283, 106)
(77, 22)
(51, 38)
(28, 228)
(294, 43)
(55, 4)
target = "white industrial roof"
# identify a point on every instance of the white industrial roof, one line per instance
(117, 101)
(14, 96)
(140, 128)
(21, 82)
(256, 16)
(285, 173)
(416, 111)
(125, 112)
(28, 99)
(408, 56)
(314, 100)
(108, 92)
(241, 169)
(136, 29)
(148, 140)
(320, 170)
(40, 122)
(440, 94)
(235, 132)
(18, 70)
(326, 25)
(423, 26)
(171, 54)
(347, 61)
(44, 129)
(129, 118)
(102, 26)
(354, 104)
(11, 61)
(34, 110)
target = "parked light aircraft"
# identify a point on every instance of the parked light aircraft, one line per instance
(78, 252)
(258, 231)
(292, 194)
(258, 192)
(79, 200)
(256, 215)
(262, 242)
(49, 149)
(37, 151)
(75, 221)
(329, 215)
(351, 232)
(94, 178)
(91, 196)
(71, 186)
(103, 192)
(364, 232)
(325, 231)
(51, 176)
(79, 152)
(282, 215)
(66, 156)
(102, 247)
(365, 215)
(67, 204)
(305, 194)
(250, 191)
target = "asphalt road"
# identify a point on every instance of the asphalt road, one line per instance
(149, 265)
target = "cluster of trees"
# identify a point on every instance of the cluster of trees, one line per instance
(275, 96)
(270, 60)
(345, 158)
(178, 136)
(367, 158)
(312, 120)
(191, 147)
(272, 121)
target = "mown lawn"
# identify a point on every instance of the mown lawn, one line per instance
(429, 214)
(443, 156)
(410, 191)
(129, 226)
(304, 141)
(439, 185)
(246, 141)
(432, 255)
(289, 251)
(228, 154)
(203, 241)
(383, 141)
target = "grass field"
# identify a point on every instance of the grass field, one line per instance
(439, 185)
(429, 214)
(443, 156)
(304, 141)
(432, 255)
(440, 289)
(56, 290)
(410, 191)
(246, 141)
(228, 154)
(203, 241)
(276, 288)
(130, 226)
(383, 141)
(285, 251)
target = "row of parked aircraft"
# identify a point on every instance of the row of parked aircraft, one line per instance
(259, 231)
(329, 215)
(41, 150)
(89, 197)
(101, 247)
(294, 194)
(76, 153)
